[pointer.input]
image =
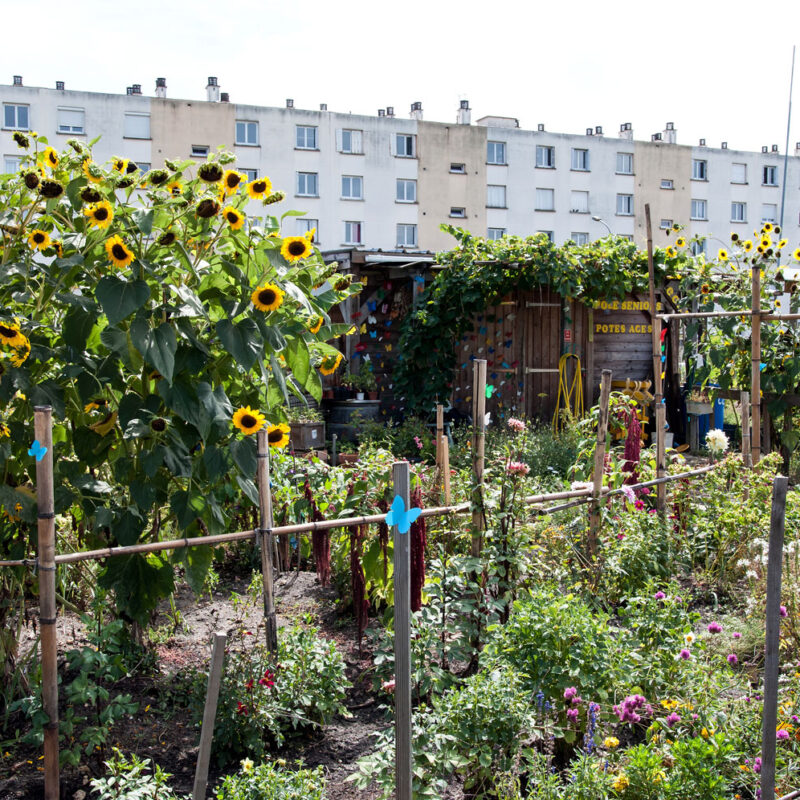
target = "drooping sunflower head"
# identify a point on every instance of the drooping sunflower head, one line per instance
(11, 334)
(275, 197)
(118, 253)
(296, 247)
(680, 242)
(747, 245)
(90, 195)
(51, 189)
(59, 248)
(342, 282)
(167, 238)
(705, 288)
(21, 139)
(231, 180)
(207, 208)
(125, 181)
(119, 164)
(314, 328)
(278, 436)
(131, 167)
(4, 430)
(259, 188)
(170, 165)
(50, 157)
(267, 297)
(32, 178)
(38, 239)
(21, 352)
(734, 237)
(233, 217)
(159, 424)
(99, 214)
(330, 363)
(158, 176)
(78, 147)
(722, 255)
(210, 172)
(671, 252)
(91, 171)
(248, 420)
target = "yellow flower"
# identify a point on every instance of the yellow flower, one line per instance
(247, 766)
(330, 364)
(296, 247)
(310, 234)
(120, 165)
(99, 214)
(680, 241)
(704, 733)
(91, 171)
(233, 217)
(50, 157)
(248, 420)
(796, 254)
(610, 742)
(105, 425)
(259, 188)
(278, 435)
(767, 227)
(316, 326)
(722, 255)
(21, 352)
(671, 252)
(4, 430)
(175, 188)
(39, 239)
(59, 248)
(94, 404)
(118, 253)
(748, 245)
(782, 243)
(621, 782)
(267, 297)
(766, 242)
(231, 180)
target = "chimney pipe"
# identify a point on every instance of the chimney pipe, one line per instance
(540, 127)
(765, 149)
(670, 134)
(161, 87)
(381, 112)
(774, 148)
(598, 131)
(389, 111)
(702, 143)
(59, 86)
(18, 80)
(129, 90)
(289, 102)
(136, 88)
(212, 90)
(656, 137)
(416, 111)
(797, 148)
(626, 131)
(224, 97)
(464, 116)
(590, 131)
(323, 106)
(724, 145)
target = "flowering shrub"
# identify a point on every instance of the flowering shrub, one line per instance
(272, 782)
(128, 779)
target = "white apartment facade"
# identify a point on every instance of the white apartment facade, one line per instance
(384, 182)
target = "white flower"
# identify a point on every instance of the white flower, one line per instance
(717, 441)
(752, 574)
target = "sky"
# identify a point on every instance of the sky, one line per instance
(718, 70)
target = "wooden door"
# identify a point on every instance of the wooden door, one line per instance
(540, 312)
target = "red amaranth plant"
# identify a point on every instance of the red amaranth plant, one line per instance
(417, 544)
(358, 580)
(633, 448)
(383, 537)
(320, 540)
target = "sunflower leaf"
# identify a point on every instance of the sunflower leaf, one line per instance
(143, 220)
(158, 346)
(293, 214)
(241, 340)
(119, 299)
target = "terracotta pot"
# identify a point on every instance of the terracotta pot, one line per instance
(372, 395)
(347, 458)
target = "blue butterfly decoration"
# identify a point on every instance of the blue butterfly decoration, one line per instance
(372, 305)
(373, 334)
(399, 516)
(37, 450)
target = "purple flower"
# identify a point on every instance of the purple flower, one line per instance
(782, 734)
(570, 692)
(659, 595)
(757, 765)
(732, 659)
(737, 635)
(577, 700)
(572, 714)
(784, 612)
(672, 719)
(714, 627)
(627, 709)
(685, 654)
(639, 505)
(795, 719)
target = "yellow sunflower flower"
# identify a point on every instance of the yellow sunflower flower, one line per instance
(680, 242)
(99, 214)
(39, 239)
(175, 188)
(4, 430)
(91, 171)
(233, 217)
(296, 247)
(50, 157)
(21, 352)
(119, 165)
(766, 242)
(316, 326)
(310, 234)
(10, 334)
(722, 255)
(95, 404)
(330, 364)
(59, 248)
(767, 227)
(671, 252)
(278, 436)
(248, 420)
(267, 297)
(231, 180)
(118, 253)
(796, 254)
(747, 245)
(259, 188)
(782, 243)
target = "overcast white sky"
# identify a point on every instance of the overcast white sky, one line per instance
(718, 70)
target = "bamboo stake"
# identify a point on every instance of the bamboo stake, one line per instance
(265, 531)
(755, 365)
(402, 642)
(446, 469)
(772, 635)
(745, 405)
(599, 462)
(209, 716)
(712, 314)
(439, 431)
(43, 431)
(478, 449)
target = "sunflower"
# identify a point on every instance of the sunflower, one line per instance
(680, 242)
(21, 139)
(233, 217)
(766, 241)
(59, 247)
(330, 364)
(50, 158)
(207, 208)
(316, 326)
(722, 255)
(119, 164)
(231, 180)
(734, 237)
(267, 297)
(175, 188)
(21, 352)
(4, 430)
(91, 171)
(51, 189)
(10, 334)
(705, 288)
(761, 249)
(39, 239)
(259, 188)
(275, 197)
(296, 247)
(158, 176)
(90, 195)
(278, 435)
(99, 214)
(747, 245)
(167, 238)
(118, 253)
(310, 234)
(159, 424)
(210, 172)
(32, 178)
(92, 405)
(248, 420)
(767, 227)
(671, 252)
(782, 243)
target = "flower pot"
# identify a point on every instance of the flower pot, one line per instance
(698, 407)
(307, 435)
(359, 395)
(347, 458)
(328, 394)
(372, 395)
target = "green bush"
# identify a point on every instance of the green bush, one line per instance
(270, 782)
(128, 780)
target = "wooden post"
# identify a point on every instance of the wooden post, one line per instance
(209, 716)
(755, 365)
(599, 462)
(265, 531)
(446, 469)
(772, 639)
(404, 763)
(43, 432)
(744, 402)
(478, 449)
(439, 432)
(334, 459)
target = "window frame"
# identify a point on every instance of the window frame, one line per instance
(490, 235)
(458, 169)
(404, 199)
(409, 139)
(622, 153)
(574, 158)
(696, 162)
(494, 145)
(355, 180)
(16, 126)
(774, 218)
(6, 159)
(583, 234)
(300, 221)
(349, 239)
(491, 186)
(693, 215)
(739, 164)
(743, 206)
(552, 195)
(71, 131)
(774, 171)
(246, 171)
(549, 151)
(129, 115)
(246, 123)
(359, 151)
(627, 201)
(199, 148)
(306, 175)
(668, 184)
(667, 226)
(306, 128)
(458, 212)
(406, 226)
(573, 207)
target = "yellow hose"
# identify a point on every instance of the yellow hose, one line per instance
(570, 398)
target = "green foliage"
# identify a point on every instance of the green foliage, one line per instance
(272, 782)
(128, 779)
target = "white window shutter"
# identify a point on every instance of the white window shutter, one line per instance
(356, 141)
(339, 140)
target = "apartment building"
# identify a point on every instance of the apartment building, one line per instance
(384, 182)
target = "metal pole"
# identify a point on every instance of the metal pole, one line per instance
(788, 126)
(599, 462)
(478, 449)
(266, 542)
(334, 460)
(755, 364)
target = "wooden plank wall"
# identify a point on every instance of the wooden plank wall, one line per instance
(541, 328)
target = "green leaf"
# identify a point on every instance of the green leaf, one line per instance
(119, 298)
(186, 507)
(157, 346)
(139, 583)
(128, 526)
(49, 393)
(198, 560)
(244, 455)
(249, 489)
(77, 326)
(143, 220)
(242, 340)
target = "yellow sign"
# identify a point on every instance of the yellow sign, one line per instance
(621, 327)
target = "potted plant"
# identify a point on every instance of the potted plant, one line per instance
(348, 385)
(699, 402)
(368, 383)
(307, 430)
(348, 453)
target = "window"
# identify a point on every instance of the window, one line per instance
(545, 200)
(667, 183)
(496, 196)
(738, 173)
(199, 150)
(304, 225)
(71, 120)
(458, 169)
(306, 137)
(495, 233)
(545, 156)
(15, 117)
(404, 145)
(699, 209)
(143, 165)
(406, 191)
(137, 126)
(579, 237)
(406, 235)
(352, 187)
(579, 202)
(666, 225)
(352, 233)
(249, 174)
(738, 212)
(625, 163)
(496, 153)
(246, 132)
(349, 141)
(458, 212)
(770, 176)
(580, 159)
(699, 170)
(769, 212)
(307, 184)
(625, 205)
(548, 234)
(698, 247)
